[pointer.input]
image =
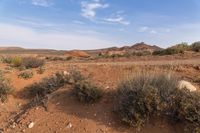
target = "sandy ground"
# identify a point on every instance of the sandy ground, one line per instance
(64, 109)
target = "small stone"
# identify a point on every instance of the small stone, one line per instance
(69, 125)
(31, 125)
(13, 125)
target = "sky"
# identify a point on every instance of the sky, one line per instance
(92, 24)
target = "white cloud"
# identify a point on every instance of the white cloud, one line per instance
(88, 9)
(117, 19)
(43, 3)
(28, 37)
(153, 32)
(143, 29)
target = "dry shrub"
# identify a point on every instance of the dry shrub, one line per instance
(32, 62)
(16, 61)
(5, 89)
(149, 95)
(41, 70)
(47, 85)
(26, 74)
(87, 92)
(144, 96)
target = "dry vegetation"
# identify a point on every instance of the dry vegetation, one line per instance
(101, 92)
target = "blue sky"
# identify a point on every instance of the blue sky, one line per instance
(90, 24)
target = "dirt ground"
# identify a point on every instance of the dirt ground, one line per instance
(66, 115)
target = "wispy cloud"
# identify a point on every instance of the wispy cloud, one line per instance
(43, 3)
(143, 29)
(31, 38)
(88, 9)
(117, 19)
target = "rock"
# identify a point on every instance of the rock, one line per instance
(31, 125)
(66, 73)
(185, 84)
(69, 125)
(13, 125)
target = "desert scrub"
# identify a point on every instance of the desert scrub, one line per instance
(7, 59)
(26, 74)
(150, 95)
(47, 85)
(16, 61)
(196, 46)
(143, 97)
(187, 109)
(5, 89)
(41, 70)
(87, 92)
(32, 62)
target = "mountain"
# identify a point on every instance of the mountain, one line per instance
(136, 48)
(11, 48)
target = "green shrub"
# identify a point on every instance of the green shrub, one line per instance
(31, 62)
(26, 75)
(87, 92)
(196, 46)
(5, 89)
(179, 48)
(16, 61)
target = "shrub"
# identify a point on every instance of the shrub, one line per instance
(196, 46)
(26, 75)
(179, 48)
(41, 70)
(142, 97)
(7, 60)
(149, 95)
(16, 61)
(87, 92)
(5, 89)
(31, 62)
(76, 75)
(47, 85)
(187, 109)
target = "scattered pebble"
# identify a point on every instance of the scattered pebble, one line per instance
(69, 125)
(31, 125)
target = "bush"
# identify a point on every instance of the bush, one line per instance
(196, 46)
(179, 48)
(41, 70)
(7, 60)
(5, 89)
(87, 92)
(187, 109)
(16, 61)
(142, 97)
(26, 75)
(31, 62)
(47, 85)
(150, 95)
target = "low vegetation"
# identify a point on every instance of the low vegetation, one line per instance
(26, 74)
(179, 48)
(32, 62)
(41, 70)
(26, 62)
(5, 89)
(87, 92)
(47, 85)
(150, 95)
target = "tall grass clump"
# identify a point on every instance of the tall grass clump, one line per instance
(150, 95)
